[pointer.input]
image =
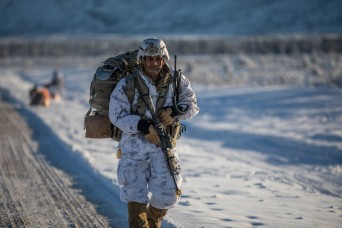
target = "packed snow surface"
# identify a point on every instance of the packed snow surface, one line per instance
(262, 154)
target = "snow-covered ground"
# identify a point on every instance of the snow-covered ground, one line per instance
(266, 147)
(265, 150)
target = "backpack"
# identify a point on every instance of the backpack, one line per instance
(96, 122)
(106, 77)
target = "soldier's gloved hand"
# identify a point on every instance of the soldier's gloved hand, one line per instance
(166, 117)
(152, 136)
(149, 132)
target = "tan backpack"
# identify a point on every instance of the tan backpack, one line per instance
(107, 76)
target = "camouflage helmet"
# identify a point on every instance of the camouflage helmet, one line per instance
(153, 47)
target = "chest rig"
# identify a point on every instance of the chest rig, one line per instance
(134, 83)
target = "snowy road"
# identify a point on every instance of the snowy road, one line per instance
(38, 191)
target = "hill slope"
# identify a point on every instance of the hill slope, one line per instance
(129, 17)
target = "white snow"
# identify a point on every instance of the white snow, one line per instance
(266, 147)
(256, 155)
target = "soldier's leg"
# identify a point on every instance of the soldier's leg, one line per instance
(132, 177)
(162, 187)
(155, 216)
(137, 215)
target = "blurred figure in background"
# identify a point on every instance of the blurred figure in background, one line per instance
(39, 96)
(42, 95)
(56, 85)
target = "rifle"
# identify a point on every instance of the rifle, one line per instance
(166, 146)
(166, 143)
(177, 77)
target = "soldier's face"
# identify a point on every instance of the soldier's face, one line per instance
(153, 64)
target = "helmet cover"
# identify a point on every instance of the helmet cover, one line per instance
(153, 47)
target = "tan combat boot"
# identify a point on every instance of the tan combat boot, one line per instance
(155, 216)
(137, 215)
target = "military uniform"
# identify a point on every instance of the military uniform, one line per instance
(143, 174)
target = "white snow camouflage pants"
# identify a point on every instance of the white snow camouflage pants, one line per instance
(147, 180)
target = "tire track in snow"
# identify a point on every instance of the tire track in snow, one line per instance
(32, 192)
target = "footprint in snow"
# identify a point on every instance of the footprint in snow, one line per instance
(185, 196)
(257, 224)
(210, 203)
(260, 185)
(227, 220)
(186, 203)
(217, 209)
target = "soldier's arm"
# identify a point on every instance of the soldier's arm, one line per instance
(119, 110)
(187, 98)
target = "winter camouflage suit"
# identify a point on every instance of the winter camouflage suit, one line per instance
(143, 175)
(142, 163)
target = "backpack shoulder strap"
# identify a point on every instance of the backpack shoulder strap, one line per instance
(163, 87)
(130, 87)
